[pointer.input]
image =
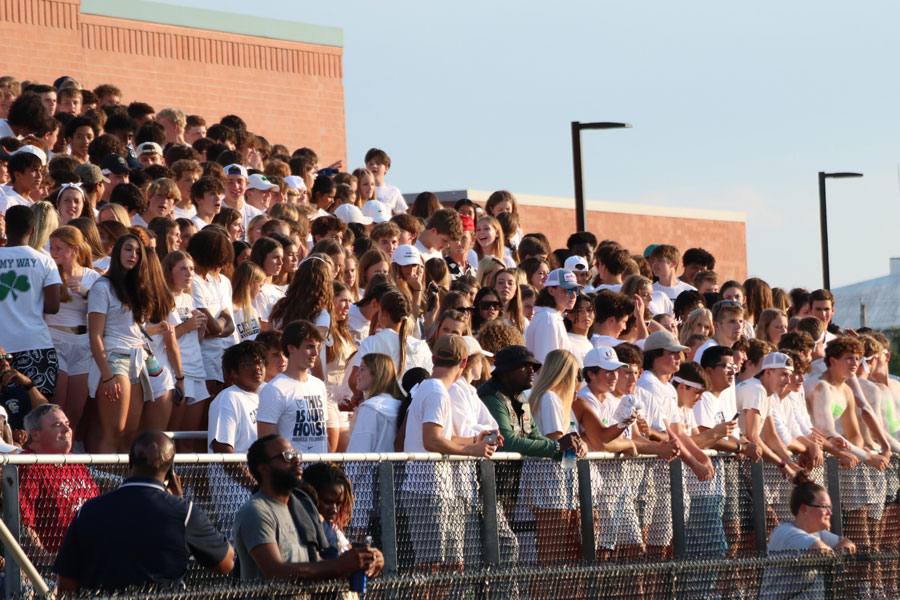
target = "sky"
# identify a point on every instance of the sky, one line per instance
(734, 107)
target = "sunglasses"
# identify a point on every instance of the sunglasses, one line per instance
(489, 305)
(466, 309)
(287, 455)
(729, 367)
(6, 357)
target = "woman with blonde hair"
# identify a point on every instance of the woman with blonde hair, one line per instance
(68, 327)
(700, 320)
(378, 416)
(365, 186)
(114, 212)
(490, 241)
(553, 485)
(506, 284)
(488, 267)
(246, 286)
(772, 324)
(46, 220)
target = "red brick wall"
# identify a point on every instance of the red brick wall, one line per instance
(289, 92)
(726, 240)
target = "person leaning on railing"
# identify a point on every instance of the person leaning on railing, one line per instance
(514, 369)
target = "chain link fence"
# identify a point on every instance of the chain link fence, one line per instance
(512, 528)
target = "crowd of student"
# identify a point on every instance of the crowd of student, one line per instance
(162, 274)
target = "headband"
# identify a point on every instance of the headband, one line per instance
(76, 186)
(698, 386)
(311, 257)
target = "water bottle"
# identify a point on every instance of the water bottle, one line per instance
(359, 579)
(568, 457)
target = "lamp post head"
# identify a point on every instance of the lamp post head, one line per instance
(601, 125)
(841, 175)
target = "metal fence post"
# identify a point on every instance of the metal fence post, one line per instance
(10, 488)
(489, 530)
(388, 514)
(758, 493)
(586, 502)
(676, 491)
(833, 483)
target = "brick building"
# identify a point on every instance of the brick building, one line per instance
(635, 226)
(284, 79)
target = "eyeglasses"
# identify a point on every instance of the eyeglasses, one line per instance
(6, 357)
(287, 455)
(466, 309)
(570, 291)
(825, 507)
(489, 305)
(729, 367)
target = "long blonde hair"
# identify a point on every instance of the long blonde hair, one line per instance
(384, 376)
(46, 220)
(242, 281)
(559, 375)
(696, 316)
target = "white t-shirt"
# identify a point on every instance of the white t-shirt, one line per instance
(546, 333)
(12, 198)
(248, 213)
(5, 129)
(232, 419)
(711, 410)
(215, 296)
(470, 415)
(782, 417)
(604, 408)
(672, 291)
(299, 410)
(391, 197)
(660, 400)
(24, 273)
(74, 312)
(185, 213)
(751, 395)
(604, 340)
(427, 254)
(189, 343)
(579, 345)
(550, 419)
(138, 221)
(121, 333)
(198, 222)
(268, 296)
(698, 354)
(800, 414)
(661, 304)
(376, 425)
(358, 324)
(387, 341)
(430, 404)
(246, 329)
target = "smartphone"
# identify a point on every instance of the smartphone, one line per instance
(491, 438)
(179, 396)
(736, 416)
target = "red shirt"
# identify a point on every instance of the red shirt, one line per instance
(49, 497)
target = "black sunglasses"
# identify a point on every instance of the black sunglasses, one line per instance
(490, 304)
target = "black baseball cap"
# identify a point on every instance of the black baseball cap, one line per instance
(115, 164)
(513, 357)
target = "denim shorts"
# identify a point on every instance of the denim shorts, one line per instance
(120, 364)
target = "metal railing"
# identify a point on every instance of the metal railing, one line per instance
(475, 516)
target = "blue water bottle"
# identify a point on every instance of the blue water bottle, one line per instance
(359, 579)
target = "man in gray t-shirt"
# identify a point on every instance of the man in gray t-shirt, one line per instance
(278, 533)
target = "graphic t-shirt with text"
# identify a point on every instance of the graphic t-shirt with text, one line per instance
(299, 410)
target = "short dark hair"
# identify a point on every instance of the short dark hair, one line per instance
(233, 355)
(321, 226)
(204, 185)
(611, 304)
(139, 110)
(270, 339)
(798, 341)
(630, 354)
(128, 195)
(21, 161)
(691, 371)
(78, 122)
(820, 295)
(211, 248)
(27, 111)
(379, 156)
(688, 299)
(713, 354)
(150, 131)
(117, 123)
(297, 332)
(445, 221)
(581, 237)
(258, 455)
(699, 256)
(221, 133)
(19, 220)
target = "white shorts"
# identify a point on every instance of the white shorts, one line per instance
(162, 383)
(72, 351)
(195, 390)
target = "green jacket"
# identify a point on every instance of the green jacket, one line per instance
(509, 415)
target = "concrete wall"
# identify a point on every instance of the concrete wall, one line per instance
(289, 91)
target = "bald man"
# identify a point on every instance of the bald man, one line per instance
(142, 533)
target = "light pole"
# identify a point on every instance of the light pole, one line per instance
(823, 222)
(580, 208)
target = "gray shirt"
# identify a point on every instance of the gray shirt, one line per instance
(262, 520)
(789, 582)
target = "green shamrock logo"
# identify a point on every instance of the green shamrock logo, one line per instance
(10, 283)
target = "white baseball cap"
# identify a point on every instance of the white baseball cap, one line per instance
(295, 182)
(562, 278)
(29, 149)
(475, 347)
(149, 148)
(260, 182)
(777, 360)
(377, 211)
(350, 213)
(576, 264)
(236, 169)
(406, 255)
(603, 357)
